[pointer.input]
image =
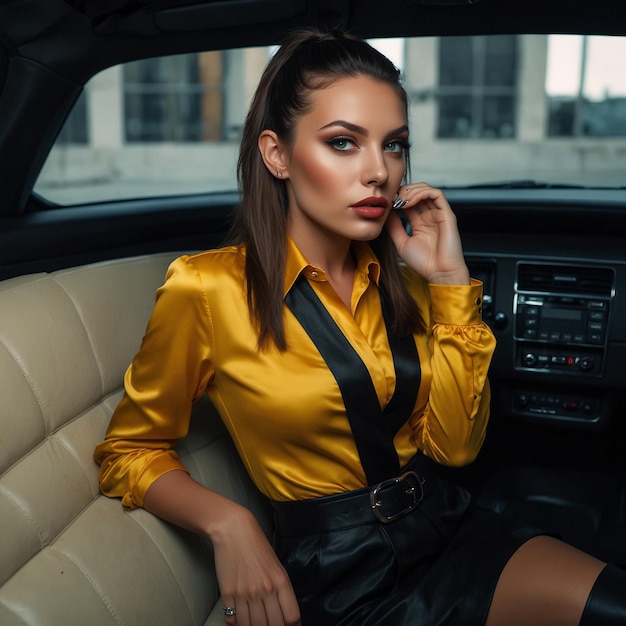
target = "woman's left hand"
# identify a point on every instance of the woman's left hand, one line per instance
(434, 248)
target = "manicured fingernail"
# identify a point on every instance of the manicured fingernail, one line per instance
(398, 203)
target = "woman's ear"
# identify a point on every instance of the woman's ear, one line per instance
(273, 154)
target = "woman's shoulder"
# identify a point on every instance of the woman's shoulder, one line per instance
(207, 271)
(205, 278)
(211, 263)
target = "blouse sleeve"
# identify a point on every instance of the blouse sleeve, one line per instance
(452, 428)
(171, 370)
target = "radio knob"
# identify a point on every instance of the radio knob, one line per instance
(500, 320)
(529, 359)
(586, 363)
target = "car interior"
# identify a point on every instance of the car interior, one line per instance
(119, 129)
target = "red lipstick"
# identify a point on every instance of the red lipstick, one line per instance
(371, 208)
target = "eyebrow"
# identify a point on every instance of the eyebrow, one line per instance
(355, 128)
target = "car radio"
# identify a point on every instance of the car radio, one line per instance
(564, 329)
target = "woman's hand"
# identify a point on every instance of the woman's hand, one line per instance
(251, 579)
(434, 248)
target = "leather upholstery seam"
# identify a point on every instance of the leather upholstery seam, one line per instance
(30, 383)
(91, 581)
(4, 492)
(99, 364)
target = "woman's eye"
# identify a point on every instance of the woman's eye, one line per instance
(341, 143)
(395, 146)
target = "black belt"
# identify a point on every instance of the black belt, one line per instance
(384, 503)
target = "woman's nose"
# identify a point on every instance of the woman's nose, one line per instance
(375, 169)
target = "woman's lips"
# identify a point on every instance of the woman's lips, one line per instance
(373, 207)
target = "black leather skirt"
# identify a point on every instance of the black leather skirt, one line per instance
(415, 551)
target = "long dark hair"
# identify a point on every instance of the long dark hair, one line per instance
(307, 60)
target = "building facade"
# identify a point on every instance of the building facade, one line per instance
(482, 111)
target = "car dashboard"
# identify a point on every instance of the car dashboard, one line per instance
(555, 300)
(554, 275)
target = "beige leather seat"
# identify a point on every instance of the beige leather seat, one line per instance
(69, 555)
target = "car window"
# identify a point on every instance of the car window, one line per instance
(505, 109)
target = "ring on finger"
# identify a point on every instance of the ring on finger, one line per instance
(229, 611)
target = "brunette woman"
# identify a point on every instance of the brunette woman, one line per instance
(345, 376)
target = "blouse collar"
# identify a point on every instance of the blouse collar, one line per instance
(296, 264)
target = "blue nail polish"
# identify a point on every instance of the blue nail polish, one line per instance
(398, 203)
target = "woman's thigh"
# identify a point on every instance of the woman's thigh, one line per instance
(546, 582)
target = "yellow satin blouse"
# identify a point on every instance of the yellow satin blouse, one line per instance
(284, 410)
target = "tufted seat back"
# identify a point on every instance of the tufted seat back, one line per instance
(69, 555)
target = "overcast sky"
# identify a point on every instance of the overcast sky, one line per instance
(605, 73)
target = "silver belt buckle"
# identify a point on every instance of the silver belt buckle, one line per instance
(413, 495)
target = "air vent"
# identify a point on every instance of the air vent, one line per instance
(570, 279)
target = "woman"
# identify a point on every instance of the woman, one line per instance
(337, 372)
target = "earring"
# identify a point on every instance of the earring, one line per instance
(279, 174)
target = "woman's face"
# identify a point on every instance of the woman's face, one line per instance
(346, 161)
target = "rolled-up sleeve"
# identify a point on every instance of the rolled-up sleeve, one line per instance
(171, 370)
(452, 428)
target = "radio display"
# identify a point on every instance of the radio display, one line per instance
(561, 314)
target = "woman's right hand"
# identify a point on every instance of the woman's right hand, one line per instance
(251, 579)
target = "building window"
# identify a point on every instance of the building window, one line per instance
(477, 87)
(586, 86)
(174, 99)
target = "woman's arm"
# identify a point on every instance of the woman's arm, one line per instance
(169, 373)
(460, 346)
(460, 349)
(138, 463)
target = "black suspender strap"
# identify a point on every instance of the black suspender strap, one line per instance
(373, 429)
